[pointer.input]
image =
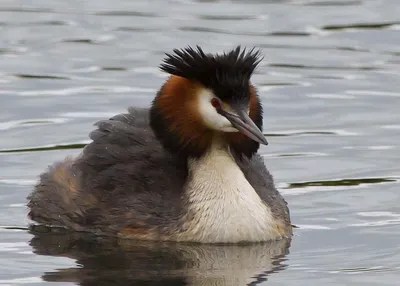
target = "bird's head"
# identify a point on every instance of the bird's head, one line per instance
(208, 96)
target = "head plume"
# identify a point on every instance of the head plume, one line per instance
(236, 65)
(174, 117)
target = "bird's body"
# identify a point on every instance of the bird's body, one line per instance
(178, 171)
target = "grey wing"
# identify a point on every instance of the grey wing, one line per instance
(127, 168)
(123, 179)
(126, 155)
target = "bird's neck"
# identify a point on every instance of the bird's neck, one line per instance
(215, 174)
(221, 203)
(217, 164)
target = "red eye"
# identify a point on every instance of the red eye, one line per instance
(215, 103)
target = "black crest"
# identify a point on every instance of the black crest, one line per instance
(228, 75)
(233, 67)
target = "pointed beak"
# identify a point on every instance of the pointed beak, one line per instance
(242, 122)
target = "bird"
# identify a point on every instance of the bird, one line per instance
(186, 169)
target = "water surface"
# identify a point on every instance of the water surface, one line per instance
(329, 83)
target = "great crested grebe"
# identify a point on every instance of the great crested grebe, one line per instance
(186, 169)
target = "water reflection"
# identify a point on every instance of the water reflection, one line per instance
(46, 148)
(361, 26)
(342, 182)
(107, 261)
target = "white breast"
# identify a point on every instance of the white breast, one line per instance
(222, 205)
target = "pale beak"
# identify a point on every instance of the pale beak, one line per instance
(242, 122)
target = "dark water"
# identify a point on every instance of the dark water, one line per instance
(331, 93)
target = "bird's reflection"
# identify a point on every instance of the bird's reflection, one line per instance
(106, 261)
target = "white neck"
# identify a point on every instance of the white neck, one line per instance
(222, 205)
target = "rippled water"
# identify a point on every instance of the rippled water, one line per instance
(330, 88)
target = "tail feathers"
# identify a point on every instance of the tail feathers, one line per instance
(56, 199)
